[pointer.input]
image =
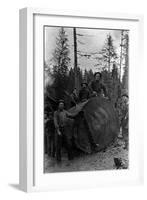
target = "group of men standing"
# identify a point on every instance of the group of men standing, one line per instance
(56, 124)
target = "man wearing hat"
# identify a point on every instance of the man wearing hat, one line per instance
(97, 86)
(84, 92)
(63, 135)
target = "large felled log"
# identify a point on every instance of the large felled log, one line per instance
(97, 126)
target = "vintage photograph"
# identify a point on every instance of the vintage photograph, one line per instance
(86, 99)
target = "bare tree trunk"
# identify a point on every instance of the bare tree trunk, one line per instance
(121, 46)
(109, 58)
(127, 60)
(109, 63)
(75, 60)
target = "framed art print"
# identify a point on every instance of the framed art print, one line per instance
(79, 125)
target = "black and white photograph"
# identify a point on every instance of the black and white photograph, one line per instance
(86, 99)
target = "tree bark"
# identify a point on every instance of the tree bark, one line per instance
(75, 60)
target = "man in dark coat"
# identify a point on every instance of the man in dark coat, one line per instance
(63, 135)
(84, 93)
(97, 86)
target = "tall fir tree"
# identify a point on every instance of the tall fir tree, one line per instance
(126, 61)
(61, 61)
(108, 53)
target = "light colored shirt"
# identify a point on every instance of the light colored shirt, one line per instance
(61, 118)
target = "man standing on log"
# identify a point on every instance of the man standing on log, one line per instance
(84, 93)
(97, 86)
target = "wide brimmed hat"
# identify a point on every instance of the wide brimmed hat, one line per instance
(84, 82)
(98, 73)
(61, 101)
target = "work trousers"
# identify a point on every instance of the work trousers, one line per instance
(51, 145)
(63, 141)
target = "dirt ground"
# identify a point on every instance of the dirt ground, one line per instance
(103, 160)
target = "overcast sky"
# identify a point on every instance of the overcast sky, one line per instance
(93, 40)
